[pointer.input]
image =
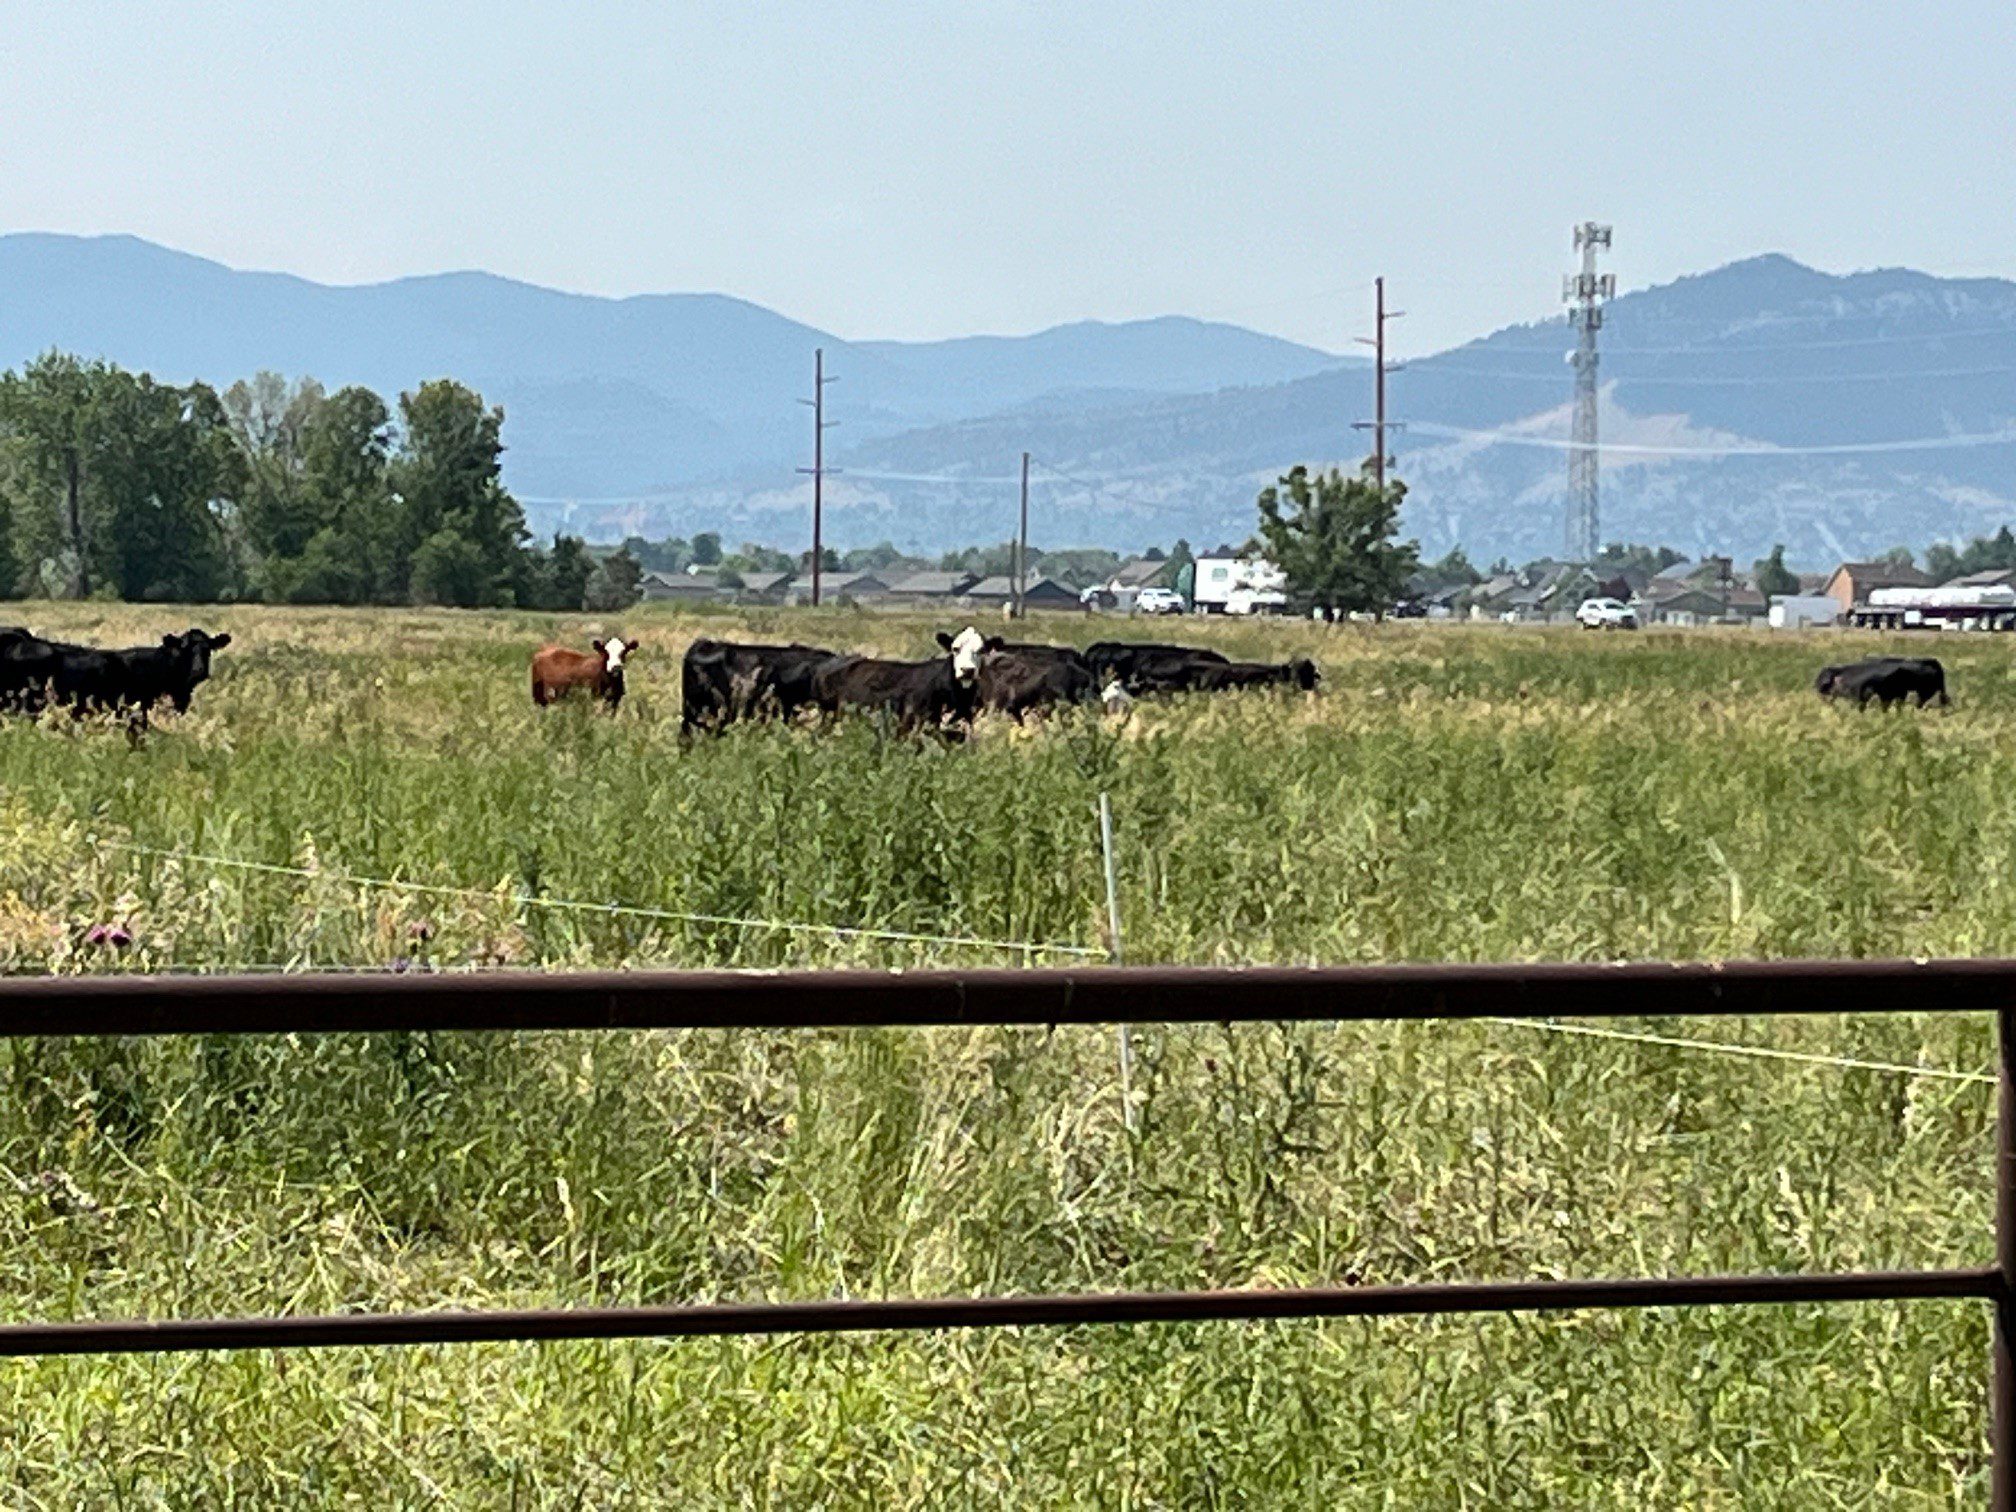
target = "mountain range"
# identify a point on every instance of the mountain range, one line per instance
(1761, 402)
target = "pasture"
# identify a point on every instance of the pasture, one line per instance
(1452, 793)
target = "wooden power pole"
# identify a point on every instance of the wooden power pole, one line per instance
(1022, 544)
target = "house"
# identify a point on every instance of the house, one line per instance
(1993, 577)
(1141, 572)
(765, 587)
(930, 587)
(839, 588)
(679, 588)
(1679, 604)
(999, 592)
(1852, 582)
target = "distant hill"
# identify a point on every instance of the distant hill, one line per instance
(603, 397)
(1763, 401)
(1829, 394)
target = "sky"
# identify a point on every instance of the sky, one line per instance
(909, 170)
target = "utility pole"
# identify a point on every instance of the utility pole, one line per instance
(818, 469)
(1022, 543)
(1584, 293)
(1380, 368)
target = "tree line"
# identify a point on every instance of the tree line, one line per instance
(113, 484)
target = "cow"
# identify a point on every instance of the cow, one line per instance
(1017, 678)
(1888, 679)
(560, 670)
(1300, 673)
(939, 694)
(721, 682)
(86, 679)
(1141, 666)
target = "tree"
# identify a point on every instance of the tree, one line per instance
(1773, 577)
(614, 585)
(1898, 556)
(448, 477)
(1454, 568)
(51, 416)
(706, 549)
(1943, 563)
(1333, 537)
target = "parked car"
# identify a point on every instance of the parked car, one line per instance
(1410, 609)
(1606, 614)
(1158, 601)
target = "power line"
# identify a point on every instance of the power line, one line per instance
(1758, 449)
(1754, 380)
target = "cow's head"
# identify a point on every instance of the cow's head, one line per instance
(192, 649)
(614, 652)
(1305, 674)
(1824, 683)
(967, 649)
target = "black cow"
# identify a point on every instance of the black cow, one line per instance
(928, 695)
(1888, 679)
(1017, 678)
(87, 678)
(1142, 666)
(721, 682)
(1300, 673)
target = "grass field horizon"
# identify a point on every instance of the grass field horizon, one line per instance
(1453, 793)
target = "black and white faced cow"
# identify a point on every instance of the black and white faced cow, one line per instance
(938, 694)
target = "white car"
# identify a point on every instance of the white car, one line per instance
(1158, 601)
(1606, 614)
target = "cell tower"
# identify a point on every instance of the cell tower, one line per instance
(1584, 293)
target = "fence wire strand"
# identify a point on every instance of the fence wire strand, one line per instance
(1757, 1052)
(611, 910)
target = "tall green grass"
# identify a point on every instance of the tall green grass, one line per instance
(1451, 794)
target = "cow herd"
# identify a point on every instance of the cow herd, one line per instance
(36, 674)
(722, 682)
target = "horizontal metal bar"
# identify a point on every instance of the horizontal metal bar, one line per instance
(372, 1002)
(380, 1329)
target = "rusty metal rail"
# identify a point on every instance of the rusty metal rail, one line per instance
(773, 1000)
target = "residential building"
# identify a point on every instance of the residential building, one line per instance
(1852, 582)
(930, 587)
(679, 587)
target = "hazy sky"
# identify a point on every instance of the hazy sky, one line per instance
(913, 170)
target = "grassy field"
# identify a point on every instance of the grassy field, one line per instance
(1452, 793)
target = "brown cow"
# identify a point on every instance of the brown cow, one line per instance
(558, 671)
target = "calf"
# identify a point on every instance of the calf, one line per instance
(721, 682)
(560, 670)
(930, 694)
(1888, 679)
(1143, 666)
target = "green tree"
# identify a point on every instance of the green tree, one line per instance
(51, 416)
(1333, 537)
(1773, 577)
(1898, 556)
(448, 477)
(270, 422)
(706, 549)
(451, 569)
(1943, 562)
(1454, 568)
(614, 585)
